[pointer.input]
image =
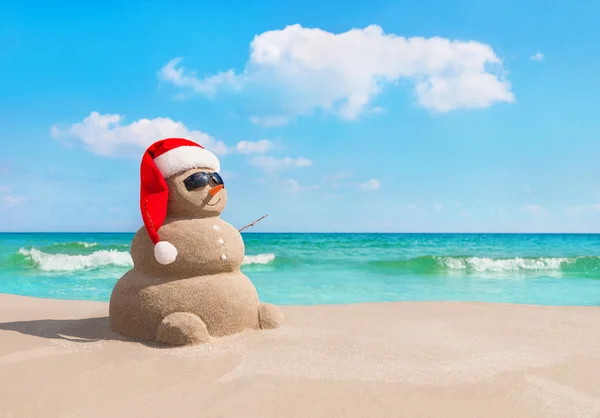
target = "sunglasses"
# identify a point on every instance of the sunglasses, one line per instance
(202, 179)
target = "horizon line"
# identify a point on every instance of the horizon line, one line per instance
(322, 232)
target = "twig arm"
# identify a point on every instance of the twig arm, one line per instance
(252, 224)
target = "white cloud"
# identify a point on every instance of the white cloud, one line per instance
(270, 121)
(527, 189)
(340, 175)
(274, 164)
(496, 212)
(208, 85)
(107, 135)
(11, 200)
(578, 210)
(437, 207)
(534, 209)
(254, 147)
(292, 185)
(296, 70)
(538, 56)
(575, 210)
(372, 184)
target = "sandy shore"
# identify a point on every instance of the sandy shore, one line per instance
(58, 358)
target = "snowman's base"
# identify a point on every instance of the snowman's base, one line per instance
(187, 311)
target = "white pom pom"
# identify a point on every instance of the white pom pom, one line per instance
(165, 252)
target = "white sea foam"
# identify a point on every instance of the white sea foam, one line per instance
(101, 258)
(83, 244)
(88, 244)
(483, 264)
(66, 262)
(259, 259)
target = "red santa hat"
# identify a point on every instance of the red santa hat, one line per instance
(162, 160)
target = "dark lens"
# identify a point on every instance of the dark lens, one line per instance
(217, 178)
(196, 180)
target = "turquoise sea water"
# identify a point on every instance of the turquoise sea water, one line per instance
(547, 269)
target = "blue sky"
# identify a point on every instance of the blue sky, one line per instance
(453, 116)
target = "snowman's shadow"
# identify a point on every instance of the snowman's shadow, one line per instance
(77, 330)
(85, 330)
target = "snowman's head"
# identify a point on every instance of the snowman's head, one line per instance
(196, 193)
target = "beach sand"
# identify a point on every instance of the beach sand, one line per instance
(58, 359)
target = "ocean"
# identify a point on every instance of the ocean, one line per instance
(309, 269)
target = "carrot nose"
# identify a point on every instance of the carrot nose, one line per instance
(215, 190)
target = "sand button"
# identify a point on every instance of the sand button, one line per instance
(216, 227)
(223, 257)
(220, 241)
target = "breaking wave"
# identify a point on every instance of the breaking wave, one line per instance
(74, 245)
(468, 264)
(41, 260)
(96, 256)
(259, 259)
(68, 262)
(80, 247)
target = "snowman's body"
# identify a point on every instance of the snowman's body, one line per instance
(202, 293)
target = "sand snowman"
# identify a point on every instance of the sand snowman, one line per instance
(186, 285)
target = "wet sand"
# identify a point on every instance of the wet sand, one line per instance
(59, 359)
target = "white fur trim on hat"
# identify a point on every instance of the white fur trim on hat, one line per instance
(165, 252)
(185, 157)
